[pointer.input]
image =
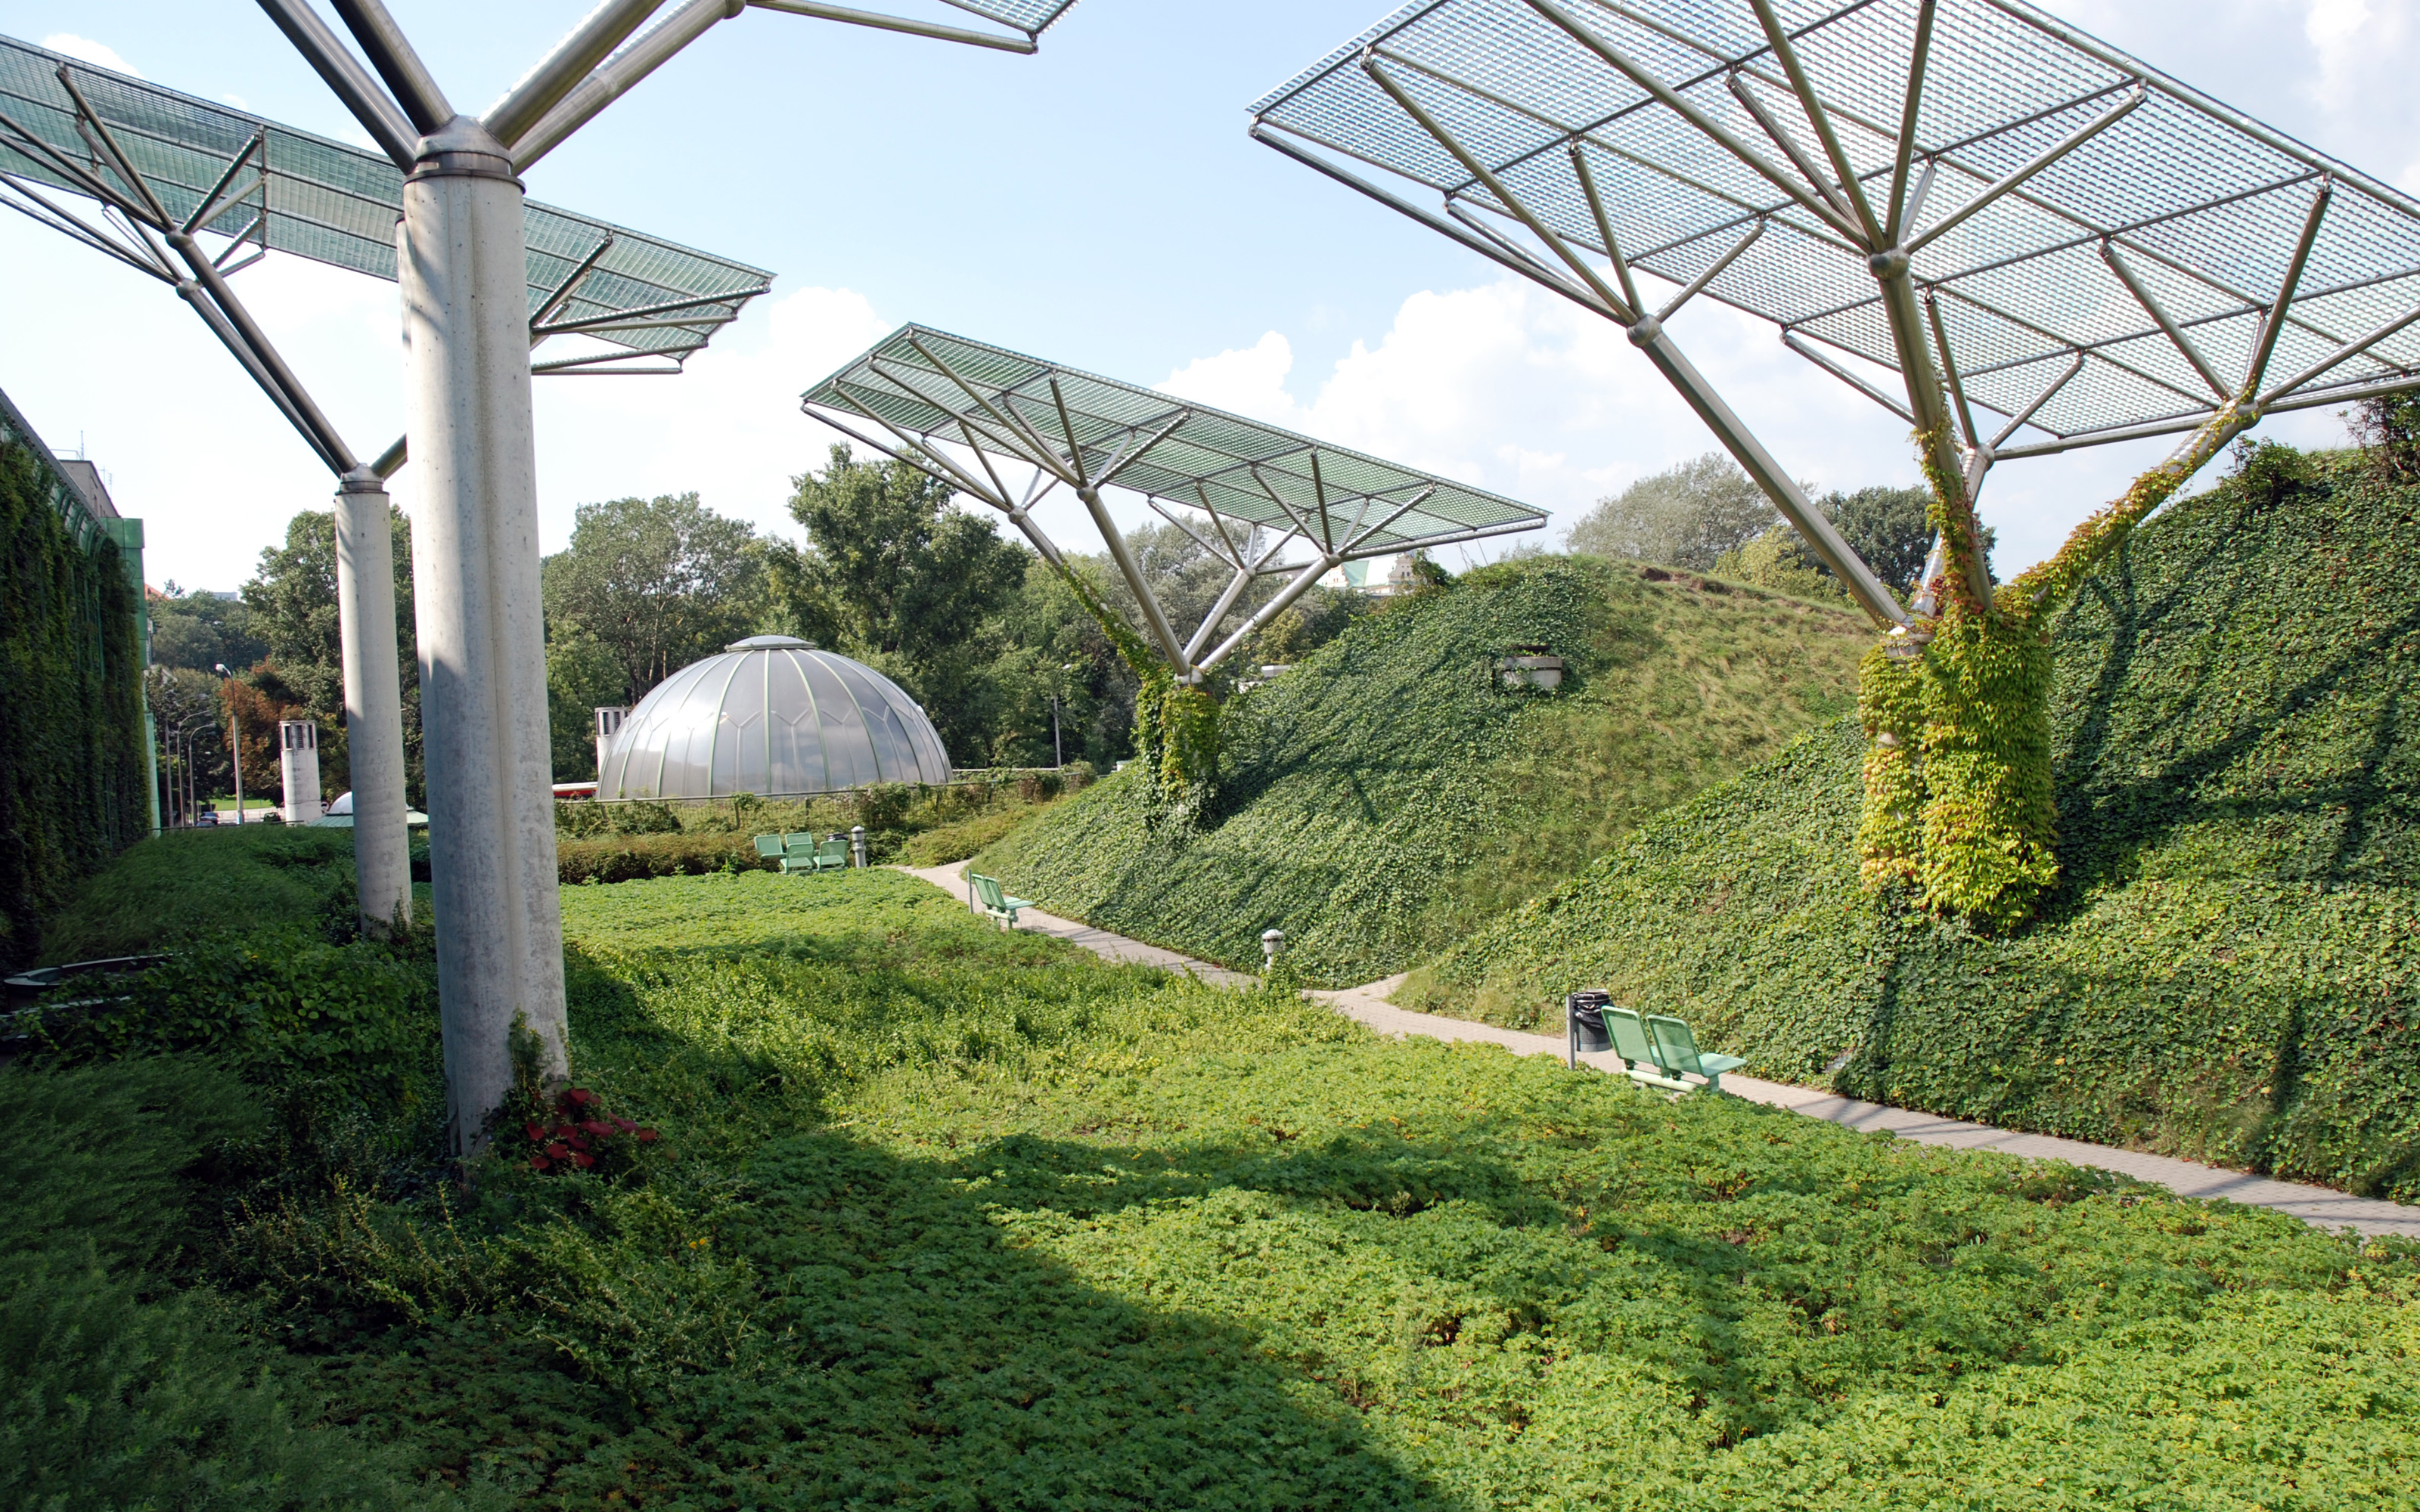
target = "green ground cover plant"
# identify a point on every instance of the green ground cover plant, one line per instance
(1390, 793)
(944, 1216)
(2226, 969)
(129, 1380)
(182, 884)
(938, 1215)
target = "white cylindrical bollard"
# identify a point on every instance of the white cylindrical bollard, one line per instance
(857, 844)
(373, 699)
(297, 767)
(482, 642)
(609, 724)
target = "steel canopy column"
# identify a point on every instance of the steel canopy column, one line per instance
(461, 257)
(373, 699)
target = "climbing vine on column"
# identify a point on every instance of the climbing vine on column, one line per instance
(1177, 729)
(1959, 798)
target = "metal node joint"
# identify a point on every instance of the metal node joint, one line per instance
(463, 148)
(1889, 264)
(1645, 329)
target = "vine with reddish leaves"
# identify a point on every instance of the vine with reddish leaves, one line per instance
(573, 1130)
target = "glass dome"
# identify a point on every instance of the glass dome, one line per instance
(774, 717)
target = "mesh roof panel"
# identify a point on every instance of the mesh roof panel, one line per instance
(1208, 459)
(338, 205)
(2204, 205)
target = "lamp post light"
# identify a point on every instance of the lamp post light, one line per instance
(235, 745)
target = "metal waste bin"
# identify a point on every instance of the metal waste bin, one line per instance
(1584, 1023)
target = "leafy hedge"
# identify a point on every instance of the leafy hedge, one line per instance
(71, 772)
(2229, 968)
(1390, 793)
(627, 858)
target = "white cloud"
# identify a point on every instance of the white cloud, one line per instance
(729, 427)
(1514, 390)
(100, 54)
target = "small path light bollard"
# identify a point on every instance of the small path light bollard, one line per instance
(1272, 941)
(857, 844)
(1584, 1024)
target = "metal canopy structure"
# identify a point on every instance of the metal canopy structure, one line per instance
(2026, 230)
(173, 164)
(1257, 488)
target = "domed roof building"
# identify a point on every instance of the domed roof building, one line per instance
(774, 716)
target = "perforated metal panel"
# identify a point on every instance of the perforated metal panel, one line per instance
(2201, 206)
(338, 205)
(945, 388)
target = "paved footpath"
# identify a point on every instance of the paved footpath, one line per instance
(2322, 1206)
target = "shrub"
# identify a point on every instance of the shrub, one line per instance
(625, 858)
(949, 843)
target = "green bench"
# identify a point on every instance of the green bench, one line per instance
(992, 900)
(1658, 1051)
(803, 852)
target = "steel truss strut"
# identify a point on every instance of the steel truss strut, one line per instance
(1794, 137)
(944, 394)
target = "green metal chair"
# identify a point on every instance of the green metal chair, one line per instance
(1676, 1048)
(771, 846)
(831, 855)
(992, 900)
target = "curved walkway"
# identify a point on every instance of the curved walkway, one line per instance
(2322, 1207)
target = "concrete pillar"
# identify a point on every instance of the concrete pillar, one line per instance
(482, 641)
(373, 699)
(298, 766)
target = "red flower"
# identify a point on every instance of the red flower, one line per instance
(584, 1158)
(537, 1163)
(535, 1133)
(647, 1136)
(557, 1151)
(578, 1095)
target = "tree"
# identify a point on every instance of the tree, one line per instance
(894, 569)
(201, 629)
(1684, 516)
(896, 575)
(658, 582)
(290, 607)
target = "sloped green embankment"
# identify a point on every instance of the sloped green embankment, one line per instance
(2228, 968)
(1390, 794)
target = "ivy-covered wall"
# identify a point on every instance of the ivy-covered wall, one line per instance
(71, 754)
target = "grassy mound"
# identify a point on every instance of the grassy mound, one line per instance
(188, 883)
(945, 1216)
(1390, 793)
(2227, 970)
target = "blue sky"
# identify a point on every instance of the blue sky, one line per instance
(1098, 204)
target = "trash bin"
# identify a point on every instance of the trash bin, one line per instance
(1584, 1023)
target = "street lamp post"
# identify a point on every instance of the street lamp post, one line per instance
(235, 745)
